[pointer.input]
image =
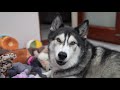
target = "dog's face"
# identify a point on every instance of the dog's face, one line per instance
(66, 44)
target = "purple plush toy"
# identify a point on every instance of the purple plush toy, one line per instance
(23, 74)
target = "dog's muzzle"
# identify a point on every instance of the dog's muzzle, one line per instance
(62, 56)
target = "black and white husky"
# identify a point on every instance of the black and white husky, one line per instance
(72, 55)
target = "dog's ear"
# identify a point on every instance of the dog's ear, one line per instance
(83, 29)
(57, 23)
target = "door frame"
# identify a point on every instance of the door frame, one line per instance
(45, 42)
(99, 32)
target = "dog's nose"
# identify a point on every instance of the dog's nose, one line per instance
(62, 55)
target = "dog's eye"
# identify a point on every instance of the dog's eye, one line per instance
(58, 40)
(73, 43)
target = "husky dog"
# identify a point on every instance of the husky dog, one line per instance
(71, 55)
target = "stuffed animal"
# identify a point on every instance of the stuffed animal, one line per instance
(34, 44)
(22, 55)
(17, 68)
(9, 43)
(36, 66)
(2, 75)
(23, 74)
(7, 56)
(6, 62)
(32, 50)
(34, 73)
(43, 58)
(42, 55)
(3, 51)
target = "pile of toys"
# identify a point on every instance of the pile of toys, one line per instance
(29, 62)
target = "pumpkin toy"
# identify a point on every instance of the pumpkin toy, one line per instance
(8, 43)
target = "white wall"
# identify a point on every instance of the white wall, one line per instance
(74, 19)
(23, 26)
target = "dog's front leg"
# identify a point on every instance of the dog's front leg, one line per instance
(48, 74)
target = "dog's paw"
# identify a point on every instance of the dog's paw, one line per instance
(48, 74)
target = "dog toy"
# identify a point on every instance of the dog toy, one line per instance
(3, 35)
(36, 66)
(17, 68)
(2, 75)
(37, 70)
(9, 56)
(3, 51)
(22, 55)
(42, 55)
(32, 50)
(23, 74)
(43, 58)
(20, 70)
(33, 61)
(6, 62)
(34, 44)
(8, 43)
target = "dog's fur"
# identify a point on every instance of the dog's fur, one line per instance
(83, 59)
